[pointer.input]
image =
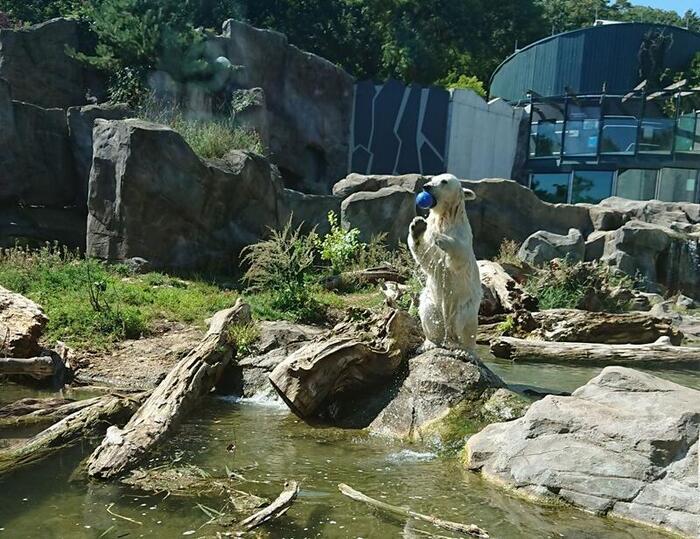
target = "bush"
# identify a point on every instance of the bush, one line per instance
(243, 336)
(508, 253)
(283, 267)
(340, 247)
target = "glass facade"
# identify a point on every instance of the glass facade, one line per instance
(552, 188)
(677, 185)
(636, 184)
(591, 186)
(582, 127)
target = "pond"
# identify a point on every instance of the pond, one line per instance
(50, 501)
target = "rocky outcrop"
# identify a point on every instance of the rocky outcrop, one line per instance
(387, 211)
(442, 399)
(625, 444)
(543, 247)
(22, 323)
(151, 196)
(36, 62)
(357, 183)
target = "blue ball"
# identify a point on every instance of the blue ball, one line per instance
(425, 200)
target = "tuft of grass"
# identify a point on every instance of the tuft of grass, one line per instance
(91, 305)
(507, 326)
(244, 337)
(508, 253)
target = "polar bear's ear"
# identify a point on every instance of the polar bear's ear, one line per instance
(468, 194)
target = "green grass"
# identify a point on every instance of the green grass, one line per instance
(215, 137)
(126, 307)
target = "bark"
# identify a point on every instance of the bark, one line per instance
(469, 529)
(354, 356)
(365, 276)
(502, 294)
(606, 354)
(36, 367)
(193, 377)
(89, 421)
(32, 412)
(276, 509)
(571, 325)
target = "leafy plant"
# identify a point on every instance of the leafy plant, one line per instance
(340, 247)
(507, 326)
(244, 336)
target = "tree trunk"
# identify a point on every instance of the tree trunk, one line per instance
(32, 412)
(193, 377)
(36, 367)
(572, 325)
(502, 294)
(365, 276)
(89, 421)
(355, 356)
(604, 354)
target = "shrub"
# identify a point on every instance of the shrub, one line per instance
(340, 247)
(508, 253)
(243, 336)
(283, 267)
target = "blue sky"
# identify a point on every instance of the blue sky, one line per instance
(680, 6)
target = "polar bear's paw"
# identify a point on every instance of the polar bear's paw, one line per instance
(418, 228)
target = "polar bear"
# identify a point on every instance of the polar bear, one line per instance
(442, 247)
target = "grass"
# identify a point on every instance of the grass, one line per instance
(127, 306)
(508, 253)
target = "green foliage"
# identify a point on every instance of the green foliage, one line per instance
(508, 253)
(507, 326)
(35, 11)
(282, 268)
(244, 337)
(90, 304)
(465, 82)
(340, 247)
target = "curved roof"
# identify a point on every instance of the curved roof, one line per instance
(584, 59)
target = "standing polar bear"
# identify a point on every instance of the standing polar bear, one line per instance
(442, 247)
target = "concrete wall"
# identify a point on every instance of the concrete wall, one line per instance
(482, 137)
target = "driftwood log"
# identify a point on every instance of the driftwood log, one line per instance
(276, 509)
(36, 367)
(502, 294)
(89, 421)
(355, 355)
(32, 412)
(193, 377)
(604, 354)
(365, 276)
(469, 529)
(573, 325)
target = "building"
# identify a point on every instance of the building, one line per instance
(599, 124)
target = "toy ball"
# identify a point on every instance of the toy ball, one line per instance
(425, 200)
(223, 62)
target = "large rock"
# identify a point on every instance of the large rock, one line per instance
(668, 214)
(309, 210)
(441, 398)
(356, 183)
(656, 254)
(29, 225)
(387, 211)
(151, 196)
(35, 60)
(625, 444)
(81, 121)
(306, 105)
(543, 247)
(21, 324)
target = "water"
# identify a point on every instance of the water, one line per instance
(47, 501)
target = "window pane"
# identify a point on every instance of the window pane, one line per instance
(545, 139)
(583, 121)
(619, 135)
(656, 134)
(551, 187)
(591, 186)
(678, 185)
(636, 184)
(685, 136)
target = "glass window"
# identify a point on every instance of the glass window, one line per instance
(591, 186)
(551, 187)
(582, 124)
(685, 135)
(636, 184)
(546, 138)
(657, 129)
(678, 185)
(620, 124)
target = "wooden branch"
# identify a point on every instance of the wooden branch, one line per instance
(26, 412)
(612, 354)
(89, 421)
(469, 529)
(276, 509)
(193, 377)
(36, 367)
(365, 276)
(502, 294)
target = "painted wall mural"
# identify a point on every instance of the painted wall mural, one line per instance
(399, 129)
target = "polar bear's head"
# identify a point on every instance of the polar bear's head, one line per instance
(448, 193)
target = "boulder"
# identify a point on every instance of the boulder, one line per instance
(668, 214)
(595, 245)
(22, 323)
(81, 121)
(151, 196)
(387, 211)
(625, 444)
(35, 60)
(440, 400)
(657, 255)
(356, 183)
(543, 247)
(31, 225)
(308, 210)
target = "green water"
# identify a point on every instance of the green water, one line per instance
(44, 501)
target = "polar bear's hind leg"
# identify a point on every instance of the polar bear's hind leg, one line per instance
(431, 319)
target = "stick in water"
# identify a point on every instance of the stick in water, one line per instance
(469, 529)
(276, 509)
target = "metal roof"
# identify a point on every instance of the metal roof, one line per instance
(583, 60)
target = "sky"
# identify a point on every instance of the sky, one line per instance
(679, 5)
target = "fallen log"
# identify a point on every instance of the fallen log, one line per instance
(193, 377)
(89, 421)
(573, 325)
(469, 529)
(604, 354)
(276, 509)
(365, 276)
(36, 367)
(355, 355)
(32, 412)
(502, 294)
